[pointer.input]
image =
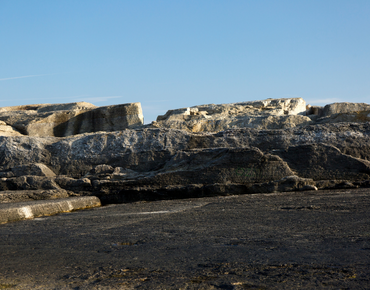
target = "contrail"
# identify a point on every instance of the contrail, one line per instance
(30, 76)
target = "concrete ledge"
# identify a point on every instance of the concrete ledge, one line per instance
(27, 210)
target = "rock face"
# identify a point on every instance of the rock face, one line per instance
(157, 161)
(70, 119)
(294, 151)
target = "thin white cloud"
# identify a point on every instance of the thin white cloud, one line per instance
(22, 77)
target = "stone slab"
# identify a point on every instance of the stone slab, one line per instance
(12, 212)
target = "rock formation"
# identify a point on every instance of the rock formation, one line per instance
(267, 114)
(63, 120)
(251, 147)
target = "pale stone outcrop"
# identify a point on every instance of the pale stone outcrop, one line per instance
(6, 130)
(266, 114)
(339, 112)
(62, 120)
(107, 119)
(337, 108)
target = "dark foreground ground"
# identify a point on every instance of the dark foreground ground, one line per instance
(305, 240)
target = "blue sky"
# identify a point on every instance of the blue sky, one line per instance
(173, 54)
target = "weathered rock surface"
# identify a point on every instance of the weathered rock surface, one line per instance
(269, 146)
(69, 119)
(28, 195)
(266, 114)
(161, 162)
(337, 108)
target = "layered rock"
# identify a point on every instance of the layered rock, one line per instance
(62, 120)
(156, 161)
(295, 152)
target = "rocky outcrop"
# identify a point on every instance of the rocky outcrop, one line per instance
(339, 112)
(340, 108)
(268, 146)
(69, 119)
(148, 149)
(266, 114)
(154, 162)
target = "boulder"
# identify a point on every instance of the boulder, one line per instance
(337, 108)
(62, 120)
(40, 120)
(107, 119)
